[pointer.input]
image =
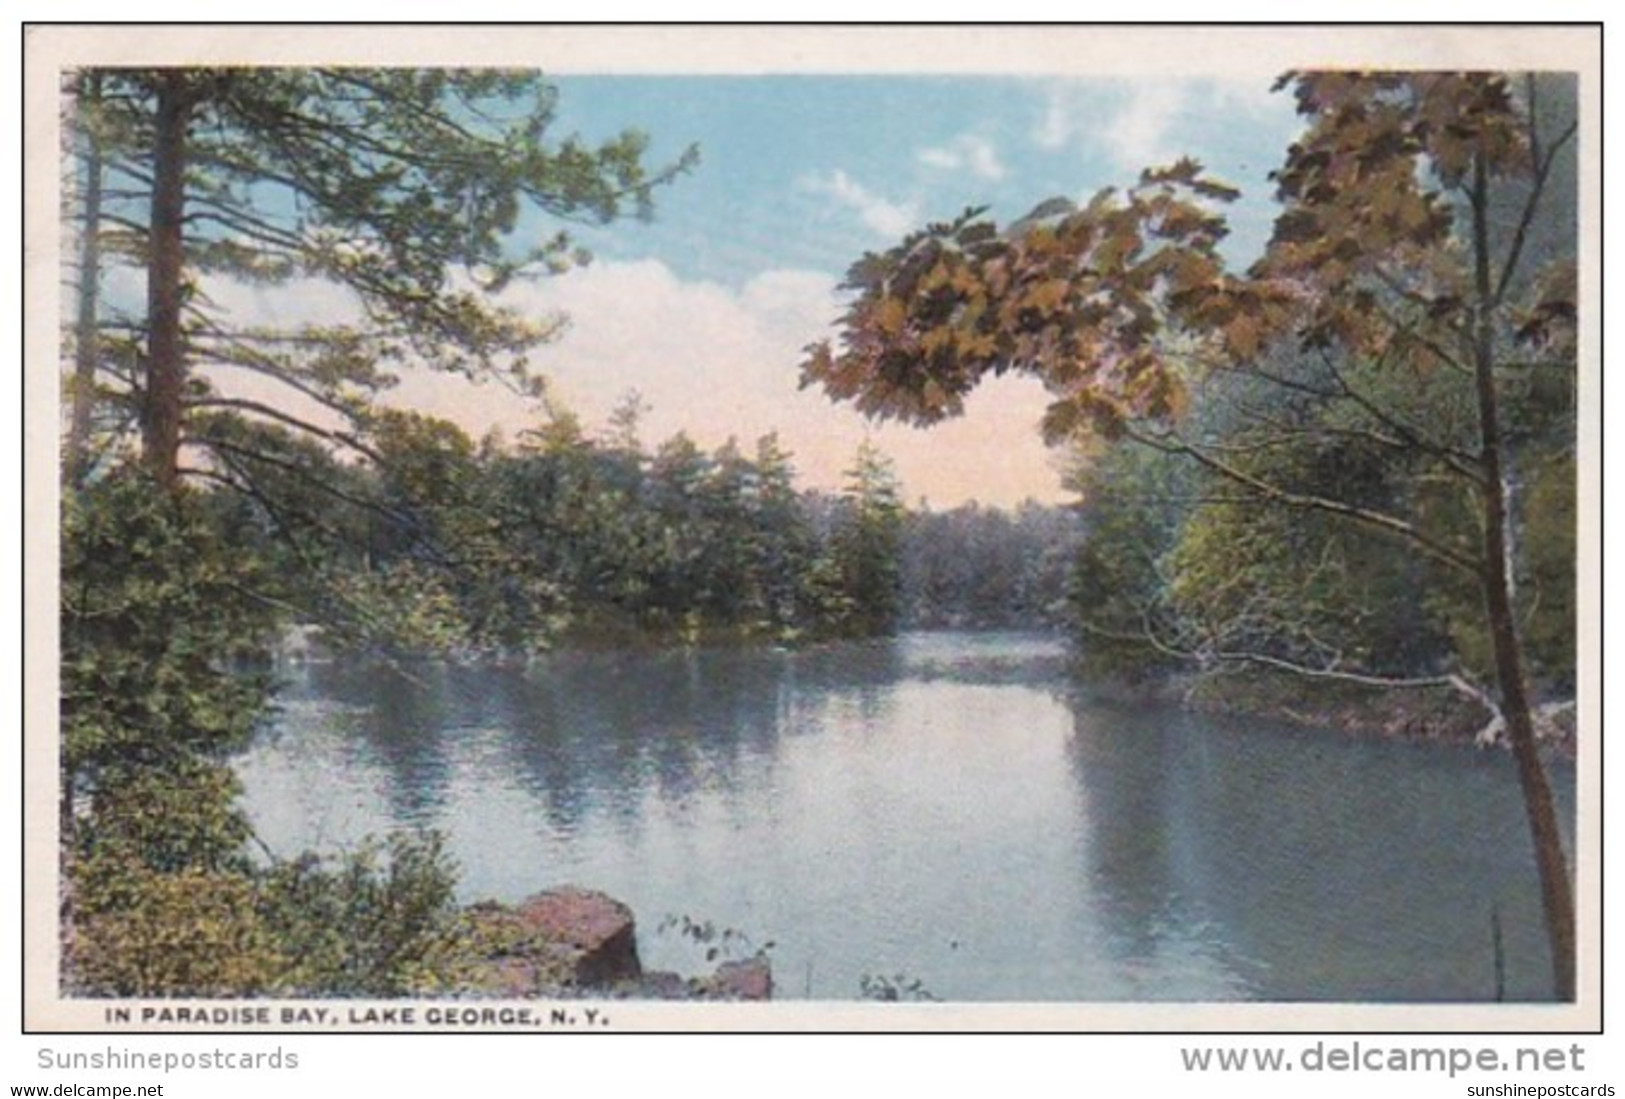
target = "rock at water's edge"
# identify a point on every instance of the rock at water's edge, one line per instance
(581, 939)
(747, 979)
(592, 933)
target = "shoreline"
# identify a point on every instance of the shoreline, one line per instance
(1417, 715)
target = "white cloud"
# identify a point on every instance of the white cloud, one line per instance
(1059, 121)
(720, 362)
(1130, 121)
(1136, 121)
(708, 359)
(1137, 136)
(1252, 96)
(702, 353)
(711, 360)
(306, 301)
(968, 153)
(888, 218)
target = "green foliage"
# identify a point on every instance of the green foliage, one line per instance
(575, 539)
(781, 545)
(1250, 580)
(380, 921)
(1214, 570)
(409, 191)
(865, 547)
(164, 632)
(192, 932)
(1133, 500)
(181, 816)
(161, 631)
(1546, 538)
(988, 568)
(441, 547)
(400, 607)
(1549, 538)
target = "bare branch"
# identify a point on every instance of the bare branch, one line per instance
(1537, 189)
(254, 228)
(244, 405)
(1171, 444)
(299, 471)
(1461, 461)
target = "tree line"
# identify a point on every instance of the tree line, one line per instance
(448, 547)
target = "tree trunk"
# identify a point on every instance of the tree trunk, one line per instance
(86, 337)
(162, 407)
(1557, 893)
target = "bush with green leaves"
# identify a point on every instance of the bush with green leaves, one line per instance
(165, 631)
(380, 921)
(164, 628)
(192, 932)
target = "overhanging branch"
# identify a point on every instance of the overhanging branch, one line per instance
(1171, 444)
(242, 404)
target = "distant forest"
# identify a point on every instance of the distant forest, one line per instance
(978, 567)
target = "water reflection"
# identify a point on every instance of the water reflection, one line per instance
(939, 805)
(1318, 867)
(1140, 857)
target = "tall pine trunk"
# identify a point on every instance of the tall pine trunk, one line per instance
(87, 345)
(1557, 891)
(163, 404)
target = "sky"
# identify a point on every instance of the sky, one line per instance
(705, 310)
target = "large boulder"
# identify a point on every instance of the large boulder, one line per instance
(592, 932)
(577, 939)
(568, 937)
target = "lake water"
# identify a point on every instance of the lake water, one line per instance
(948, 809)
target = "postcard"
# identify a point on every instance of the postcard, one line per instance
(776, 528)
